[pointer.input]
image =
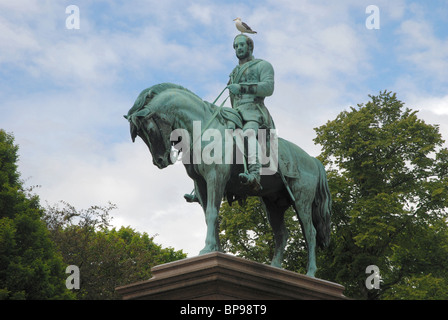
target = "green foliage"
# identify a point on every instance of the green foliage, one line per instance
(424, 287)
(245, 231)
(388, 177)
(107, 258)
(30, 267)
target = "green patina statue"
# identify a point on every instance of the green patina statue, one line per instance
(250, 82)
(169, 117)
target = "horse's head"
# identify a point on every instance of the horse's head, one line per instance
(155, 131)
(153, 127)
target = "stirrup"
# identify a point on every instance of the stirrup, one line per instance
(249, 179)
(191, 198)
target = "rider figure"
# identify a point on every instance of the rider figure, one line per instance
(250, 82)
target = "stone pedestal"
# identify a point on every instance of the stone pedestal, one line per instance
(219, 276)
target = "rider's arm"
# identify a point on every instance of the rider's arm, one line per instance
(265, 87)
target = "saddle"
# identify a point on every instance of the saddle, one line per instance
(232, 116)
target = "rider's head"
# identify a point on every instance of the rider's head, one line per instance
(244, 46)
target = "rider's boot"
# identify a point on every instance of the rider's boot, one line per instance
(251, 178)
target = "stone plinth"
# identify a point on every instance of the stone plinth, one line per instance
(219, 276)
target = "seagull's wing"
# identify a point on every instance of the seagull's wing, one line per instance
(246, 26)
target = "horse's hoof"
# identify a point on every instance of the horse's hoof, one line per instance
(311, 274)
(206, 250)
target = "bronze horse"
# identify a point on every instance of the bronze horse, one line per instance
(302, 184)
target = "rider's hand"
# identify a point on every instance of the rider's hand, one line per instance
(234, 88)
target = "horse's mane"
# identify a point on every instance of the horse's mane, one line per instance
(148, 94)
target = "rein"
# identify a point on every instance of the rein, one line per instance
(217, 110)
(215, 114)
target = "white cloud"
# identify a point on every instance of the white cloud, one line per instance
(423, 50)
(433, 109)
(438, 105)
(37, 41)
(15, 42)
(202, 13)
(87, 60)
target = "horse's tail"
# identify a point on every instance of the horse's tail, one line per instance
(321, 208)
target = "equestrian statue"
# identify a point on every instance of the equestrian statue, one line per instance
(173, 121)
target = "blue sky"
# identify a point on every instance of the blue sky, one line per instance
(63, 91)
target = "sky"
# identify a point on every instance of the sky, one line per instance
(65, 84)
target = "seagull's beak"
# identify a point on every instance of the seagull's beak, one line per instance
(235, 19)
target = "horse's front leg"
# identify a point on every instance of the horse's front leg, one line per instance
(215, 185)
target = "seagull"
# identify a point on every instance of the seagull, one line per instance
(242, 26)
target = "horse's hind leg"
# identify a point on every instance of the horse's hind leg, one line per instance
(276, 217)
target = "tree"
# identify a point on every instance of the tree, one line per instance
(387, 172)
(388, 176)
(107, 258)
(30, 267)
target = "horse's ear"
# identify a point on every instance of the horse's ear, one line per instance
(133, 127)
(133, 131)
